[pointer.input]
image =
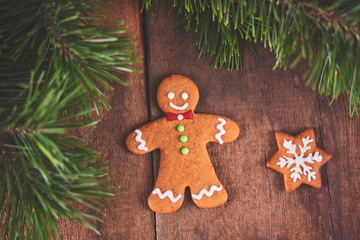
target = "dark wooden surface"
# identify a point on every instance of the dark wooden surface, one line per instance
(261, 100)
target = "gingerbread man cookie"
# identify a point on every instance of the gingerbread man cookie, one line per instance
(181, 137)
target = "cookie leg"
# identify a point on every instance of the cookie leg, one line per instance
(208, 192)
(166, 198)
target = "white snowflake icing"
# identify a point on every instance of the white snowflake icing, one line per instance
(299, 160)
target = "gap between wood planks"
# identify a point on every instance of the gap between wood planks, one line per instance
(147, 83)
(325, 169)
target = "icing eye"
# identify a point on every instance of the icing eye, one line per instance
(171, 95)
(184, 95)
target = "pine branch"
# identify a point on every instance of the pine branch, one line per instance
(43, 168)
(63, 36)
(339, 16)
(54, 59)
(326, 34)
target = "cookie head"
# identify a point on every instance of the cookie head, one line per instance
(177, 94)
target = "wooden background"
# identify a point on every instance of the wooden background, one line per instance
(261, 101)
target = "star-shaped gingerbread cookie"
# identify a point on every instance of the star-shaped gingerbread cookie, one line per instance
(298, 159)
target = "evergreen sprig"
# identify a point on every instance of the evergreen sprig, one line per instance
(326, 33)
(54, 59)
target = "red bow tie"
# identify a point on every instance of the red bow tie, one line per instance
(171, 116)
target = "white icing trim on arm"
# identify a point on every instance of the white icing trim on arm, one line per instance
(168, 194)
(209, 193)
(221, 129)
(141, 141)
(177, 107)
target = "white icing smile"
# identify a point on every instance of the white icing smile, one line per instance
(179, 107)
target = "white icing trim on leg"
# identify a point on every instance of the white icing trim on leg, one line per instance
(221, 132)
(168, 194)
(206, 192)
(141, 141)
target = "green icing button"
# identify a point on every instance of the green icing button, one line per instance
(184, 151)
(183, 138)
(180, 128)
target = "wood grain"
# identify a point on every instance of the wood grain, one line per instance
(127, 216)
(261, 101)
(341, 136)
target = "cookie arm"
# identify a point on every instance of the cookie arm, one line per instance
(222, 129)
(143, 139)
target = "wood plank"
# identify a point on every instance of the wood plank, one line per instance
(127, 216)
(261, 101)
(341, 136)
